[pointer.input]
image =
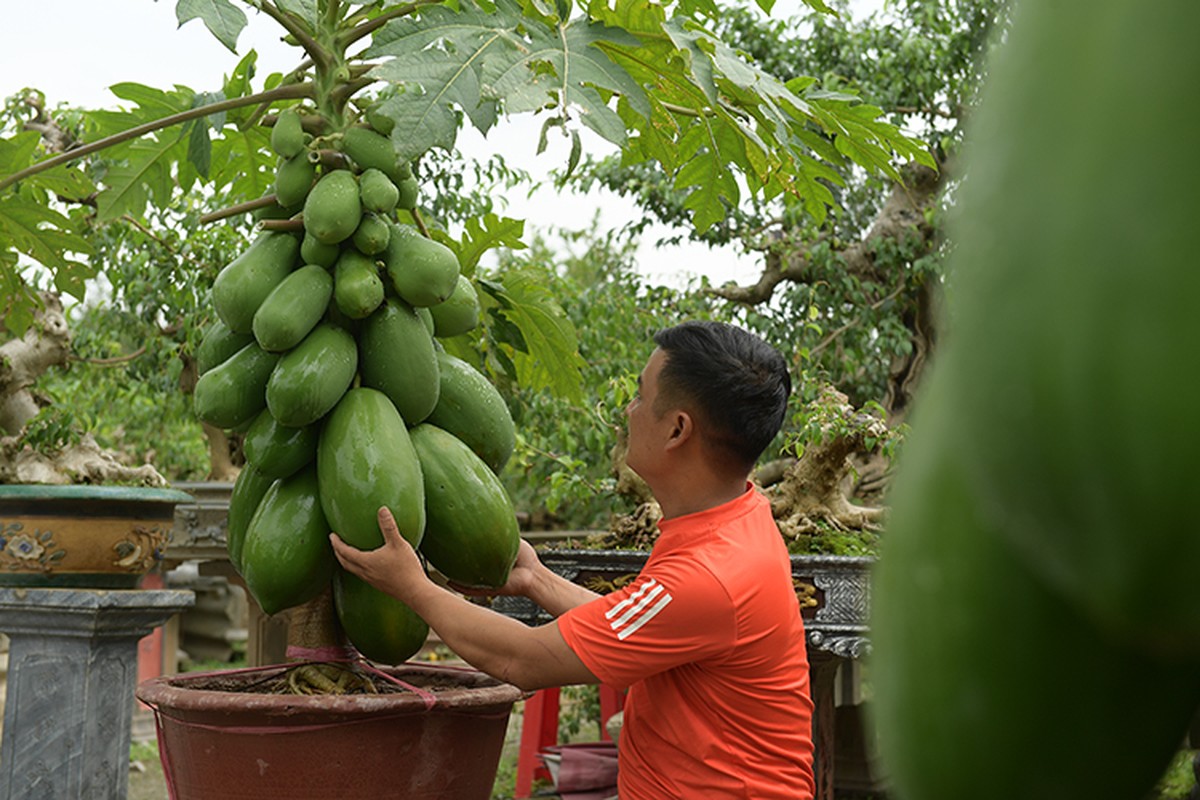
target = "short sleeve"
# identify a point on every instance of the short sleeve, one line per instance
(672, 614)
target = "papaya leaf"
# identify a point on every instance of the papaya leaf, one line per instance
(199, 153)
(20, 301)
(222, 18)
(564, 67)
(199, 148)
(551, 357)
(154, 103)
(17, 152)
(238, 83)
(241, 160)
(473, 60)
(485, 234)
(304, 10)
(41, 233)
(144, 173)
(66, 181)
(438, 61)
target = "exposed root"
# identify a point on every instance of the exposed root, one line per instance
(329, 678)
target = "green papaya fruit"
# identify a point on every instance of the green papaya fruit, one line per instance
(380, 122)
(471, 408)
(397, 358)
(231, 394)
(471, 531)
(459, 313)
(314, 251)
(370, 150)
(380, 627)
(276, 450)
(357, 288)
(426, 319)
(245, 282)
(372, 235)
(293, 179)
(287, 134)
(365, 460)
(293, 308)
(332, 209)
(422, 271)
(409, 192)
(247, 493)
(1036, 580)
(286, 558)
(310, 378)
(377, 192)
(404, 170)
(218, 344)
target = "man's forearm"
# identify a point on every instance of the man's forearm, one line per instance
(531, 658)
(556, 594)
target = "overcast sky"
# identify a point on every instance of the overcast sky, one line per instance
(73, 50)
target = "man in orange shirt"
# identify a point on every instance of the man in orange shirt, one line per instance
(709, 638)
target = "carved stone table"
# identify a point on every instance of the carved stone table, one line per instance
(71, 678)
(834, 597)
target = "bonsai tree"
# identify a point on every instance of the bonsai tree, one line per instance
(336, 330)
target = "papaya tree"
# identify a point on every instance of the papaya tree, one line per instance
(333, 335)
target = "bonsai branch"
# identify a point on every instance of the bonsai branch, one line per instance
(46, 344)
(903, 212)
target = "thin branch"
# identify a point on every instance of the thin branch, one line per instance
(240, 208)
(320, 56)
(279, 93)
(828, 340)
(115, 360)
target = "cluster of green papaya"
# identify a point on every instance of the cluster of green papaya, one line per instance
(325, 355)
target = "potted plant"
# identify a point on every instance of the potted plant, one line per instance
(71, 513)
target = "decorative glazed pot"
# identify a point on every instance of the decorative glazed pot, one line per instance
(833, 592)
(442, 742)
(93, 537)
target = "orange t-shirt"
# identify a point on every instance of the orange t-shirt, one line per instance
(710, 642)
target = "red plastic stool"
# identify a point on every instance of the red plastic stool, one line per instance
(539, 730)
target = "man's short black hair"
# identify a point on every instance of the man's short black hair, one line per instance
(736, 382)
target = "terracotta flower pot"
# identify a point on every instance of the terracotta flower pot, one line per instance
(441, 744)
(101, 537)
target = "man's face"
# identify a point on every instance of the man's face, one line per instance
(648, 431)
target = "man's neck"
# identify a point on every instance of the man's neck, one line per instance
(697, 495)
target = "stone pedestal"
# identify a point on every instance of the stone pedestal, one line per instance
(71, 679)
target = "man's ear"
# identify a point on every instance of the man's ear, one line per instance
(682, 431)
